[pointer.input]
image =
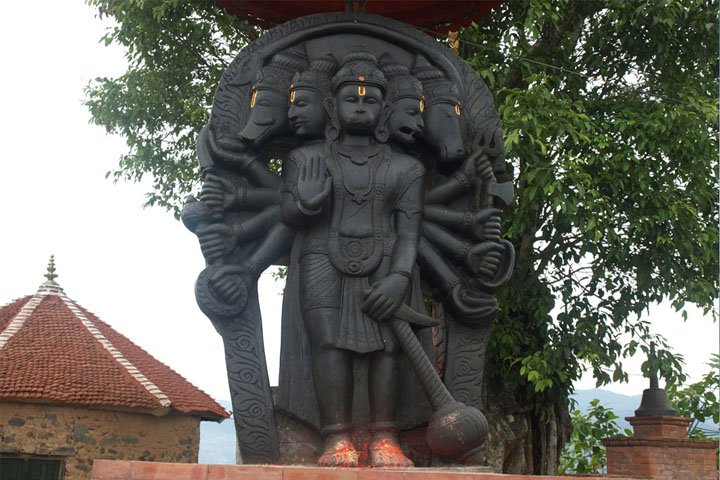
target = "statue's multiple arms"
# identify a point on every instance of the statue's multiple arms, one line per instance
(236, 156)
(222, 194)
(474, 166)
(218, 239)
(471, 308)
(482, 224)
(480, 259)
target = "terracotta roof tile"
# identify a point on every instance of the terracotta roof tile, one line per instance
(8, 312)
(54, 350)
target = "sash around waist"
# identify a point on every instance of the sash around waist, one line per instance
(320, 245)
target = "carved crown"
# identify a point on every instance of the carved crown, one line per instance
(359, 68)
(318, 76)
(436, 88)
(277, 74)
(401, 83)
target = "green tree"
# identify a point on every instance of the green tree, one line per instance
(699, 401)
(176, 53)
(609, 110)
(585, 453)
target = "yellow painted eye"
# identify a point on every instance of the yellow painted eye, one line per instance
(253, 97)
(292, 94)
(458, 109)
(361, 91)
(361, 78)
(422, 104)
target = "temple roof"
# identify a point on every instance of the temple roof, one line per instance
(52, 350)
(441, 15)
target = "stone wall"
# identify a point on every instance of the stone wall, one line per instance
(82, 435)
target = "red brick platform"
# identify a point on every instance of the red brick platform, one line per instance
(126, 470)
(661, 450)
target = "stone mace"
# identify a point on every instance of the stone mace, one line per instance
(455, 430)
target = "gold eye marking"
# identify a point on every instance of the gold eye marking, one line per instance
(422, 104)
(458, 108)
(361, 78)
(253, 97)
(361, 90)
(292, 94)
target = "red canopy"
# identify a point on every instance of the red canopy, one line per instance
(441, 15)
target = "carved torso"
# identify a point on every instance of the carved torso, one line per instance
(355, 227)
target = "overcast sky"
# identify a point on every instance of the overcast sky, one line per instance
(133, 267)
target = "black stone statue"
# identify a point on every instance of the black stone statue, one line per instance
(363, 155)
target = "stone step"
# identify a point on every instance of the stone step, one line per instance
(130, 470)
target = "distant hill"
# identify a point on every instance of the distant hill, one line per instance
(622, 405)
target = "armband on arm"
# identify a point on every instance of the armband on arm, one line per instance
(462, 179)
(467, 221)
(405, 274)
(305, 211)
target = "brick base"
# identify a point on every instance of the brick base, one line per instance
(661, 450)
(121, 470)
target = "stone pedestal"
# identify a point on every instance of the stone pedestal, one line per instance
(661, 449)
(124, 470)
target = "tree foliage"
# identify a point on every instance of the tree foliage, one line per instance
(585, 453)
(176, 53)
(609, 111)
(699, 401)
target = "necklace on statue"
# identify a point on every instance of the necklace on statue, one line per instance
(359, 156)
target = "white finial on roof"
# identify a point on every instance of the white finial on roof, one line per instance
(50, 285)
(51, 275)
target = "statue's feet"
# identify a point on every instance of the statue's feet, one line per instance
(384, 451)
(338, 451)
